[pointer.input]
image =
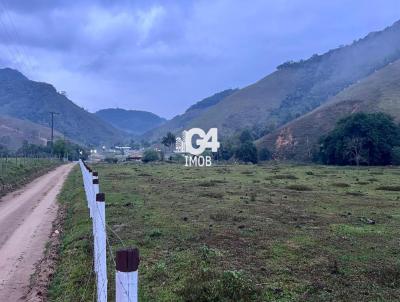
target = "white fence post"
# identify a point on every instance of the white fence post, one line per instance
(126, 275)
(100, 218)
(96, 205)
(94, 221)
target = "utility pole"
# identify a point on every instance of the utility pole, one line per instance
(52, 130)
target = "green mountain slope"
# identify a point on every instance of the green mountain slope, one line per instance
(28, 100)
(297, 88)
(132, 121)
(380, 92)
(13, 132)
(181, 122)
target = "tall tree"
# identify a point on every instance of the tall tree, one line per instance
(168, 140)
(361, 139)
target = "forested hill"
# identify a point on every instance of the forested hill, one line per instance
(29, 100)
(133, 121)
(380, 92)
(297, 88)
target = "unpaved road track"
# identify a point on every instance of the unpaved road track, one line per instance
(26, 218)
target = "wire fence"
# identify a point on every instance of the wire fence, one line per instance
(126, 261)
(16, 170)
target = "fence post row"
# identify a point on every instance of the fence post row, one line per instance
(127, 260)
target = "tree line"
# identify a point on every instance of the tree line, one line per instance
(61, 149)
(239, 147)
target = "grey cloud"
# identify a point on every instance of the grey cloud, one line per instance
(163, 56)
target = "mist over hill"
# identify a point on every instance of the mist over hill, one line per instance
(379, 92)
(293, 90)
(131, 121)
(29, 100)
(299, 87)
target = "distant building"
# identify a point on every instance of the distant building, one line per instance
(135, 156)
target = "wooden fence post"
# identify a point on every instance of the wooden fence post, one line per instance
(126, 275)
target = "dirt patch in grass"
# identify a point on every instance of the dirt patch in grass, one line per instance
(207, 183)
(212, 194)
(341, 185)
(284, 176)
(355, 193)
(299, 188)
(389, 188)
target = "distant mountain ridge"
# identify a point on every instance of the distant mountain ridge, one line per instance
(132, 121)
(24, 99)
(212, 100)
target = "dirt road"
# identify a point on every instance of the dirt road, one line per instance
(26, 218)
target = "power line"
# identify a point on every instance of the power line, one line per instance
(17, 36)
(8, 45)
(13, 48)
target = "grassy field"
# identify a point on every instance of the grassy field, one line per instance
(15, 172)
(241, 233)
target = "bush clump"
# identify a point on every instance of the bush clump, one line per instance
(150, 155)
(111, 160)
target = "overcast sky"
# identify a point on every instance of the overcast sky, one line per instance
(162, 56)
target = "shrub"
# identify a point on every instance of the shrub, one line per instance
(235, 286)
(264, 154)
(111, 160)
(150, 155)
(179, 158)
(247, 152)
(226, 150)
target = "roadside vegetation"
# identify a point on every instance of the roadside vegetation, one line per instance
(21, 166)
(240, 233)
(17, 171)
